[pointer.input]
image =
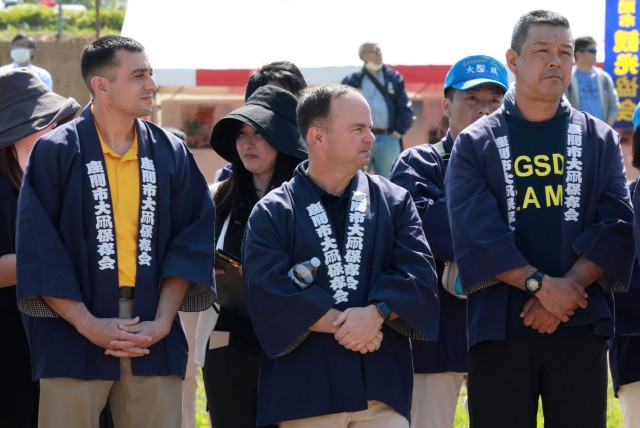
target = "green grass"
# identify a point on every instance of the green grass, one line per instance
(202, 417)
(614, 414)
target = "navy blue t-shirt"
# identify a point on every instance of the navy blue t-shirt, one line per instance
(538, 164)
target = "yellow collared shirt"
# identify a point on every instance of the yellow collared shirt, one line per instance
(124, 185)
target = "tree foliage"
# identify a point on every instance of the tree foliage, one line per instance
(35, 18)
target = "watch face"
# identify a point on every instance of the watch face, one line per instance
(384, 310)
(533, 285)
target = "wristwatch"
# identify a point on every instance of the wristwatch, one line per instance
(533, 284)
(383, 309)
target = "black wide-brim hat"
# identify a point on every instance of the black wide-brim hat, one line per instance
(271, 111)
(27, 106)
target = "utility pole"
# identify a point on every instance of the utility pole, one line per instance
(97, 19)
(59, 36)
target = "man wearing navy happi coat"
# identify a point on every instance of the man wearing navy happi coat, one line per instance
(115, 234)
(473, 88)
(337, 351)
(541, 223)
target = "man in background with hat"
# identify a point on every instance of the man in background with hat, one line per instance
(541, 226)
(391, 108)
(115, 233)
(473, 88)
(23, 49)
(28, 110)
(338, 351)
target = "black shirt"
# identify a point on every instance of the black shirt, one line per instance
(537, 150)
(336, 207)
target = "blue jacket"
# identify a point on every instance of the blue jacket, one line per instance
(400, 106)
(421, 171)
(484, 243)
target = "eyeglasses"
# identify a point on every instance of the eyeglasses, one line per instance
(592, 50)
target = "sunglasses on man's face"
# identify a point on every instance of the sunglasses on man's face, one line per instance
(591, 50)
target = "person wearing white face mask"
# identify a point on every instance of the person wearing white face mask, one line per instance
(391, 108)
(23, 49)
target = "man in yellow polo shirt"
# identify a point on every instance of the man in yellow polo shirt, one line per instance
(115, 234)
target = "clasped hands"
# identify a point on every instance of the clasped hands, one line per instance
(359, 329)
(556, 302)
(125, 337)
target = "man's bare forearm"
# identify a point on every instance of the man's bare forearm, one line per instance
(517, 276)
(172, 292)
(584, 272)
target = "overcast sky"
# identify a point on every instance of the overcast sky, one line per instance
(214, 34)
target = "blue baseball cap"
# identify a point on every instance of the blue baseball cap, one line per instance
(636, 117)
(476, 70)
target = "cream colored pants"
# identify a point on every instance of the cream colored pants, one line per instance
(377, 415)
(435, 398)
(190, 384)
(629, 395)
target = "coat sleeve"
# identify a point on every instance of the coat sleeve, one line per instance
(44, 265)
(483, 243)
(420, 170)
(280, 313)
(191, 249)
(410, 286)
(607, 241)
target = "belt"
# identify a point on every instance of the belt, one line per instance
(126, 292)
(379, 131)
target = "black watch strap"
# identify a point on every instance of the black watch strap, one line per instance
(383, 309)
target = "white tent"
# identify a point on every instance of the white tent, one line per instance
(204, 42)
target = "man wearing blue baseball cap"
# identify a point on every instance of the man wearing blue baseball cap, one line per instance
(541, 224)
(473, 88)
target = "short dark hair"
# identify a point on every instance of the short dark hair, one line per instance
(284, 73)
(582, 43)
(100, 56)
(448, 93)
(535, 17)
(315, 104)
(23, 36)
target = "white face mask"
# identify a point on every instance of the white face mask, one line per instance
(21, 55)
(372, 66)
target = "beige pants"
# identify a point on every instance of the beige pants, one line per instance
(190, 384)
(377, 415)
(629, 395)
(435, 398)
(135, 401)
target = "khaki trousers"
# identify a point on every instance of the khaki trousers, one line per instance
(629, 395)
(377, 415)
(435, 398)
(135, 401)
(190, 384)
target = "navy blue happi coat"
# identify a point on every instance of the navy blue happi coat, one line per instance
(384, 257)
(64, 237)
